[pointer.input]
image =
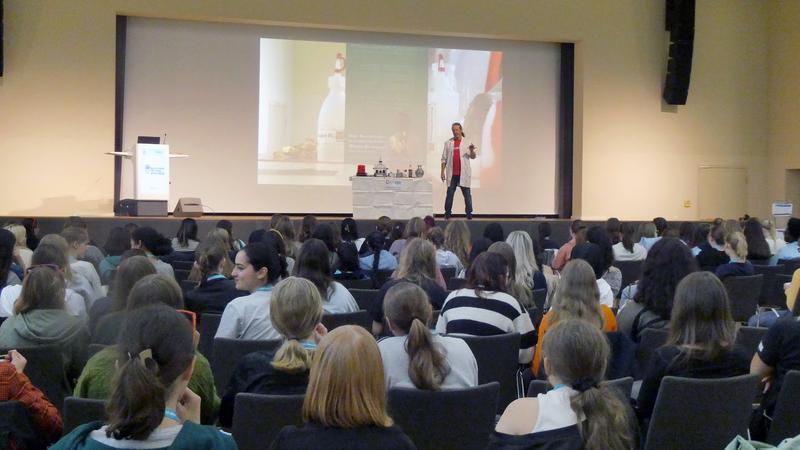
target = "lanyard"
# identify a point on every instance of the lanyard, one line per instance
(265, 288)
(216, 276)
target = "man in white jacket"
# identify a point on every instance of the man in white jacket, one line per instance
(456, 171)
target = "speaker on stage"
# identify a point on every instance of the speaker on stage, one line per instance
(188, 207)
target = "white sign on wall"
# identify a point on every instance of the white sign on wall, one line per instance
(151, 172)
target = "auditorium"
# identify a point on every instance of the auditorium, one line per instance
(399, 224)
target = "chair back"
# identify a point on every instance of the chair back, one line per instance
(365, 298)
(623, 385)
(355, 283)
(748, 338)
(497, 358)
(183, 264)
(771, 290)
(789, 265)
(448, 273)
(258, 418)
(208, 329)
(18, 428)
(456, 283)
(631, 272)
(460, 418)
(78, 411)
(650, 340)
(46, 371)
(181, 275)
(536, 315)
(226, 354)
(722, 405)
(743, 293)
(360, 318)
(785, 420)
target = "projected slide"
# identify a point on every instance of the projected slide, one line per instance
(325, 107)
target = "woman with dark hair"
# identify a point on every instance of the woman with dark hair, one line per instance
(613, 228)
(712, 251)
(478, 247)
(444, 257)
(306, 228)
(686, 233)
(348, 249)
(313, 264)
(151, 404)
(131, 269)
(430, 222)
(31, 226)
(7, 244)
(667, 263)
(494, 232)
(378, 259)
(757, 246)
(661, 226)
(700, 237)
(214, 291)
(227, 225)
(484, 308)
(594, 255)
(626, 249)
(701, 339)
(274, 239)
(117, 243)
(599, 236)
(154, 244)
(545, 242)
(258, 267)
(324, 233)
(185, 239)
(394, 234)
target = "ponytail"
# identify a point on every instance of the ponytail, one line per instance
(136, 406)
(738, 243)
(295, 310)
(605, 415)
(375, 241)
(292, 357)
(627, 236)
(427, 364)
(208, 256)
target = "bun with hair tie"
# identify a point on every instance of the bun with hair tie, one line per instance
(584, 384)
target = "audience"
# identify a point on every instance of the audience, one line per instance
(214, 291)
(416, 358)
(93, 254)
(185, 239)
(324, 233)
(701, 339)
(791, 235)
(700, 237)
(345, 404)
(296, 313)
(150, 403)
(581, 411)
(117, 243)
(21, 249)
(258, 267)
(565, 252)
(661, 226)
(31, 226)
(378, 258)
(77, 241)
(457, 240)
(313, 265)
(599, 236)
(7, 250)
(274, 239)
(626, 249)
(415, 228)
(545, 242)
(41, 318)
(154, 245)
(648, 235)
(132, 269)
(485, 309)
(712, 251)
(444, 257)
(348, 249)
(307, 225)
(737, 250)
(592, 254)
(494, 232)
(667, 263)
(686, 233)
(516, 287)
(576, 297)
(757, 247)
(528, 269)
(227, 225)
(15, 386)
(771, 235)
(283, 225)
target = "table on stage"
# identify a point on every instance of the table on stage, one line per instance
(398, 198)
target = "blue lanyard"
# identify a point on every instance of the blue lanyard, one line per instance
(558, 386)
(216, 276)
(309, 345)
(171, 414)
(265, 288)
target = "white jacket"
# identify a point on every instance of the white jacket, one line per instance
(447, 159)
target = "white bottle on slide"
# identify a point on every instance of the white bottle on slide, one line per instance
(330, 125)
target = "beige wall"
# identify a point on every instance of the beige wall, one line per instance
(635, 158)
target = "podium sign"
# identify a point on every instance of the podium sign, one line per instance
(151, 172)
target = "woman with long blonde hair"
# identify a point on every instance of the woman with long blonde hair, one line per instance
(515, 286)
(458, 240)
(528, 270)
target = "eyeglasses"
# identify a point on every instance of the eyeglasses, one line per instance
(190, 316)
(55, 267)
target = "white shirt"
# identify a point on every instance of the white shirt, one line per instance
(606, 294)
(555, 411)
(622, 254)
(465, 179)
(463, 366)
(88, 271)
(248, 318)
(446, 258)
(76, 305)
(339, 300)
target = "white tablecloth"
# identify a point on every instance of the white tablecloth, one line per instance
(398, 198)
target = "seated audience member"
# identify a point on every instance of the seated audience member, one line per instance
(313, 265)
(348, 249)
(258, 267)
(661, 226)
(515, 287)
(576, 297)
(385, 226)
(237, 244)
(444, 257)
(154, 245)
(415, 228)
(430, 222)
(626, 249)
(132, 269)
(416, 358)
(324, 233)
(77, 240)
(75, 281)
(700, 237)
(686, 233)
(150, 403)
(613, 228)
(31, 226)
(7, 249)
(494, 232)
(93, 254)
(345, 404)
(54, 257)
(701, 339)
(296, 313)
(274, 239)
(565, 252)
(417, 266)
(712, 252)
(592, 254)
(378, 258)
(185, 239)
(395, 233)
(15, 386)
(771, 235)
(214, 291)
(757, 246)
(791, 235)
(613, 276)
(41, 318)
(457, 240)
(528, 269)
(117, 243)
(648, 235)
(545, 241)
(307, 225)
(21, 250)
(283, 225)
(648, 303)
(736, 249)
(581, 411)
(485, 309)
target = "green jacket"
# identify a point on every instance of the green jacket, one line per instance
(95, 381)
(191, 437)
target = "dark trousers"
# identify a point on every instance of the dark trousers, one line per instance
(451, 191)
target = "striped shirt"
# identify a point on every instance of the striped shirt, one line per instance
(494, 313)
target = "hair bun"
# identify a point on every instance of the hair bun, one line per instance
(584, 384)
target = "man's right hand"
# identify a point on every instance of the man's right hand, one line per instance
(443, 177)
